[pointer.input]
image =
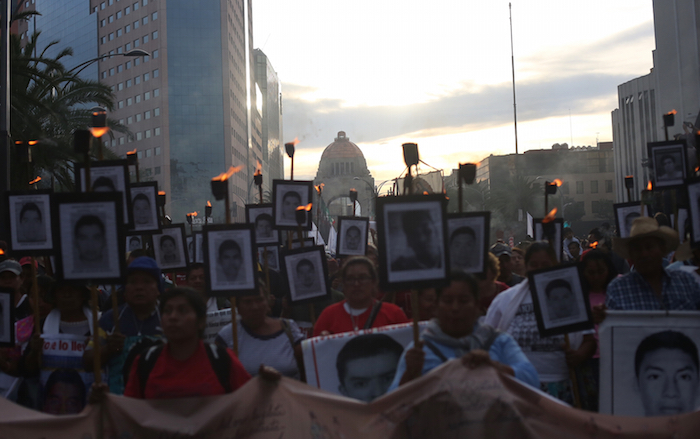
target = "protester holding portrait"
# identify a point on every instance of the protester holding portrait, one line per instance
(650, 286)
(513, 312)
(184, 366)
(360, 309)
(139, 322)
(263, 339)
(457, 333)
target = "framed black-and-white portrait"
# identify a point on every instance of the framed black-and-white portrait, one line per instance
(231, 257)
(134, 242)
(89, 235)
(668, 162)
(625, 214)
(694, 210)
(308, 242)
(468, 240)
(649, 363)
(412, 232)
(170, 247)
(560, 304)
(29, 221)
(288, 195)
(306, 272)
(352, 236)
(260, 215)
(273, 256)
(552, 232)
(144, 207)
(107, 176)
(7, 318)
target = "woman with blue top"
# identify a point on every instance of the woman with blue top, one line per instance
(456, 332)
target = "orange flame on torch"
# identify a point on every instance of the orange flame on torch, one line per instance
(319, 188)
(225, 175)
(557, 182)
(2, 252)
(295, 142)
(32, 142)
(629, 176)
(131, 152)
(672, 112)
(697, 168)
(649, 185)
(192, 214)
(258, 169)
(306, 208)
(208, 203)
(425, 192)
(550, 216)
(161, 192)
(36, 180)
(593, 244)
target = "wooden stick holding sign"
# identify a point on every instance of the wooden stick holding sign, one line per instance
(411, 158)
(258, 180)
(219, 188)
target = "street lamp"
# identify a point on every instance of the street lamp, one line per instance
(132, 53)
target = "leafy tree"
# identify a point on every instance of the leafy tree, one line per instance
(48, 103)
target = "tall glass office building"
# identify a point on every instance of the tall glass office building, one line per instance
(185, 103)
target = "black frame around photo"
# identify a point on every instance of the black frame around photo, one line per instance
(345, 224)
(659, 153)
(558, 234)
(221, 238)
(273, 255)
(694, 210)
(253, 214)
(117, 171)
(80, 220)
(176, 232)
(294, 261)
(399, 264)
(29, 207)
(460, 228)
(7, 318)
(625, 214)
(280, 189)
(199, 247)
(573, 315)
(146, 192)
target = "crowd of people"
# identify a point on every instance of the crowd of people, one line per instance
(150, 341)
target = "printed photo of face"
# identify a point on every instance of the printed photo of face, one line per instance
(263, 226)
(169, 250)
(31, 224)
(134, 243)
(290, 201)
(367, 365)
(561, 301)
(89, 240)
(306, 278)
(353, 237)
(463, 251)
(230, 260)
(666, 367)
(141, 207)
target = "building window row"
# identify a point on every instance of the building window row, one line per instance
(127, 11)
(137, 42)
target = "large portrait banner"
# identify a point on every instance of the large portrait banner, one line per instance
(649, 363)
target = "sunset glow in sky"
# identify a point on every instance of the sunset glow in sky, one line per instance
(439, 74)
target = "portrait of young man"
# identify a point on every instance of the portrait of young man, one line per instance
(353, 237)
(229, 263)
(666, 372)
(90, 244)
(170, 252)
(669, 168)
(290, 201)
(306, 281)
(561, 300)
(142, 211)
(366, 366)
(30, 227)
(423, 239)
(464, 253)
(264, 231)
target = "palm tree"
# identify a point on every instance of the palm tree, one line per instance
(48, 103)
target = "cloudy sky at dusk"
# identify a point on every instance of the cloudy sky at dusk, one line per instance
(439, 74)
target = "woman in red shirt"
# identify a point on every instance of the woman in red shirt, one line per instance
(360, 283)
(184, 366)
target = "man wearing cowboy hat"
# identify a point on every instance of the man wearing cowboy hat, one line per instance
(650, 286)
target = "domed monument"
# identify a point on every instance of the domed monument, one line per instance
(343, 167)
